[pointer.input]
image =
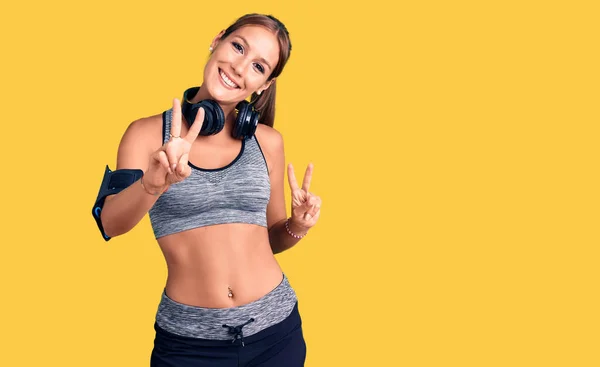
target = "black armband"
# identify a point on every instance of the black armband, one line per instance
(113, 182)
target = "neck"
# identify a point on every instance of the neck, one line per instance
(228, 109)
(203, 94)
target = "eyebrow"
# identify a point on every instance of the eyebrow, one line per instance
(248, 46)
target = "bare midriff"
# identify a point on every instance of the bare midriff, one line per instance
(220, 266)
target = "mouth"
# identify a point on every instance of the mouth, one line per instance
(227, 80)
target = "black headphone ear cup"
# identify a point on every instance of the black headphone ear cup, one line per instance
(250, 122)
(253, 122)
(240, 120)
(214, 118)
(188, 110)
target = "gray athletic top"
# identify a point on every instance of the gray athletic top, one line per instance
(236, 193)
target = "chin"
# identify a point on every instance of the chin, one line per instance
(224, 95)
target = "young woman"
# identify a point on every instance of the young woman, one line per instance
(217, 208)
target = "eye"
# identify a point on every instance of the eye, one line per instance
(237, 46)
(260, 68)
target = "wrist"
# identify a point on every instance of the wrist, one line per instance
(151, 189)
(295, 230)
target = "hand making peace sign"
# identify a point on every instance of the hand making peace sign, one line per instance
(306, 207)
(169, 164)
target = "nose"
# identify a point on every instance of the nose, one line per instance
(239, 65)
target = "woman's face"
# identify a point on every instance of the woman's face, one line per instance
(241, 63)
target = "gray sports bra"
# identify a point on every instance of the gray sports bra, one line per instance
(236, 193)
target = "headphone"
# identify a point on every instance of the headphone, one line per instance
(214, 119)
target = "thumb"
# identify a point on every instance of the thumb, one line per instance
(303, 208)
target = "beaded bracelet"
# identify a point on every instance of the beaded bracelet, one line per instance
(287, 228)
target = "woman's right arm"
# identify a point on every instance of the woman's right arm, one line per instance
(124, 210)
(162, 165)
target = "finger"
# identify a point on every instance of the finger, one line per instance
(302, 209)
(316, 216)
(161, 157)
(313, 214)
(183, 173)
(176, 120)
(316, 200)
(292, 178)
(194, 130)
(182, 164)
(187, 171)
(312, 199)
(310, 212)
(172, 157)
(311, 205)
(307, 177)
(314, 209)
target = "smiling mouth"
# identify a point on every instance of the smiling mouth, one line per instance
(228, 82)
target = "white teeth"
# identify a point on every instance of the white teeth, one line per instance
(228, 81)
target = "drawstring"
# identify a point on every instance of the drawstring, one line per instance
(237, 332)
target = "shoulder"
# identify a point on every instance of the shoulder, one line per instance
(269, 138)
(140, 139)
(146, 131)
(271, 144)
(145, 126)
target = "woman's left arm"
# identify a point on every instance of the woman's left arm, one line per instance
(285, 232)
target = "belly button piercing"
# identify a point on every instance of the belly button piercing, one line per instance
(230, 292)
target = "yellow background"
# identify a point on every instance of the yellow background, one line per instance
(456, 152)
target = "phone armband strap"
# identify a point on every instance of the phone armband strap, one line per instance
(113, 182)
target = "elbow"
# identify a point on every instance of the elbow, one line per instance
(273, 243)
(278, 248)
(108, 227)
(113, 229)
(109, 231)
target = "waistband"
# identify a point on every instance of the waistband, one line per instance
(227, 323)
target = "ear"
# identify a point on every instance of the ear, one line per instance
(266, 85)
(217, 39)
